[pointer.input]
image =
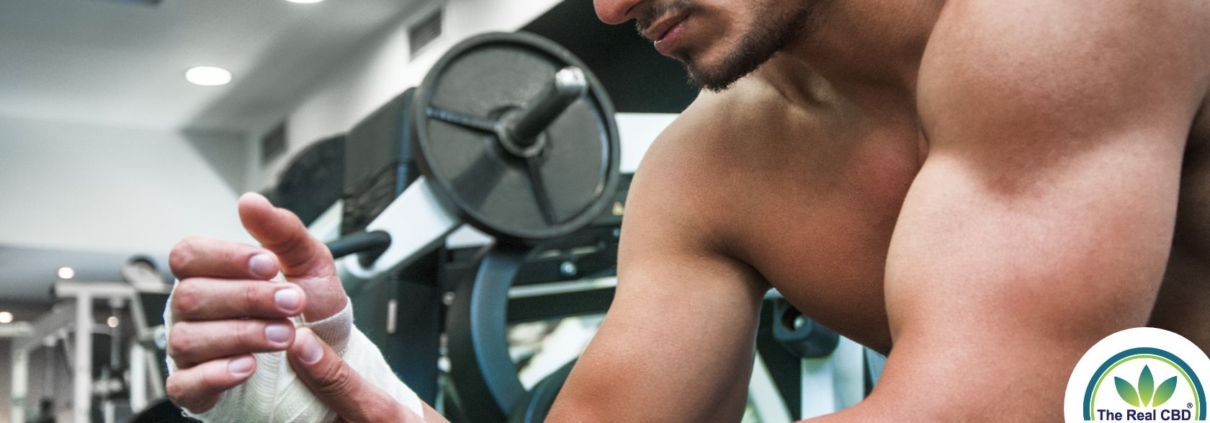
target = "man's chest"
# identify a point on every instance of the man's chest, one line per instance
(818, 229)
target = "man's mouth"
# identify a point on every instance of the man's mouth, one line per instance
(665, 33)
(660, 29)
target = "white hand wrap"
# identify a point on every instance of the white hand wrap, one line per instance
(274, 394)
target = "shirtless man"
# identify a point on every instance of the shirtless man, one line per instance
(986, 188)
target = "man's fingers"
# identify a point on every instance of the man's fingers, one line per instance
(202, 256)
(198, 388)
(280, 231)
(304, 260)
(216, 299)
(339, 386)
(190, 343)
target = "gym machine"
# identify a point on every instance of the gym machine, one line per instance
(510, 134)
(812, 371)
(112, 380)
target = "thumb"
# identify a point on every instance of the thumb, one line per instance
(339, 386)
(304, 260)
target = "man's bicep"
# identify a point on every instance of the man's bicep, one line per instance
(1056, 132)
(677, 342)
(1042, 218)
(993, 299)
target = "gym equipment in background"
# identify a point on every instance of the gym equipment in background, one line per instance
(508, 133)
(512, 136)
(312, 180)
(808, 368)
(117, 367)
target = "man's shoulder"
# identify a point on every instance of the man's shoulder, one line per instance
(718, 125)
(750, 103)
(699, 164)
(702, 140)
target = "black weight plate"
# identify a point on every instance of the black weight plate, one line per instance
(489, 188)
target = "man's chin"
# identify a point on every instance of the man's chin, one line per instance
(718, 74)
(710, 78)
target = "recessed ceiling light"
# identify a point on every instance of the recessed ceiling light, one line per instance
(66, 273)
(208, 76)
(6, 317)
(304, 1)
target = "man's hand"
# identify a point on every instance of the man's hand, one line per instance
(225, 309)
(343, 390)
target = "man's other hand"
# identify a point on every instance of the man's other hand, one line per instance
(224, 307)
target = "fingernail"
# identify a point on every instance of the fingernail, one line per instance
(240, 366)
(277, 333)
(287, 299)
(262, 266)
(311, 350)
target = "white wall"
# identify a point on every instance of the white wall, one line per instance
(86, 187)
(383, 68)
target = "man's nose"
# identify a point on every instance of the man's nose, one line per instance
(614, 12)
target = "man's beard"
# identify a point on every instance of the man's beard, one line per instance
(769, 34)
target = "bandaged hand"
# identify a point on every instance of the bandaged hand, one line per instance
(244, 348)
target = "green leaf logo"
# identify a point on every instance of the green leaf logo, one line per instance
(1127, 392)
(1164, 392)
(1147, 395)
(1146, 386)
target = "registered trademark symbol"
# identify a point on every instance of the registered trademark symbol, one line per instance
(1189, 405)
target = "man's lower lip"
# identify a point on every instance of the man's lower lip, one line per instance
(668, 43)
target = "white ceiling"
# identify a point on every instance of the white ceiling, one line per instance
(120, 63)
(123, 63)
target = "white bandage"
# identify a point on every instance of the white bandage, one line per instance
(274, 394)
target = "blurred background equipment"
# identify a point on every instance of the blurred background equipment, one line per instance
(116, 367)
(512, 135)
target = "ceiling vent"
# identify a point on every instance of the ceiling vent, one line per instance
(424, 32)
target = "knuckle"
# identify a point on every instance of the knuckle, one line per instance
(182, 253)
(175, 391)
(290, 245)
(335, 381)
(253, 295)
(179, 342)
(246, 333)
(187, 298)
(321, 262)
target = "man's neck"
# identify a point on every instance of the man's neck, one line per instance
(868, 52)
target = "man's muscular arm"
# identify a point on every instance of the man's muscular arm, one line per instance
(677, 343)
(1043, 216)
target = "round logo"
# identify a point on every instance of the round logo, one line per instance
(1140, 374)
